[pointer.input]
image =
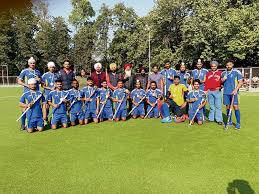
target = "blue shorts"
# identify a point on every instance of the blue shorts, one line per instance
(153, 113)
(106, 113)
(227, 98)
(199, 115)
(62, 118)
(76, 116)
(90, 114)
(139, 111)
(122, 113)
(35, 122)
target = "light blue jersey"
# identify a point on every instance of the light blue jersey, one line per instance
(27, 74)
(232, 78)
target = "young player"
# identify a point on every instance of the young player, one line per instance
(105, 95)
(91, 107)
(153, 95)
(48, 82)
(197, 100)
(200, 74)
(33, 99)
(176, 99)
(57, 99)
(137, 95)
(232, 80)
(120, 96)
(25, 75)
(168, 74)
(75, 108)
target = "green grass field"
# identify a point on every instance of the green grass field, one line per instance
(137, 156)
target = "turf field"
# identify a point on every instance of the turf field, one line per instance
(129, 157)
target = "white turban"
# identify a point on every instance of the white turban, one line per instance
(32, 81)
(96, 65)
(31, 60)
(51, 64)
(199, 61)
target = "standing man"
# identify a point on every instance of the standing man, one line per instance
(98, 75)
(48, 83)
(142, 78)
(156, 77)
(185, 77)
(232, 80)
(66, 75)
(168, 74)
(128, 77)
(213, 89)
(25, 75)
(113, 77)
(200, 74)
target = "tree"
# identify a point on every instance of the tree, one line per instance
(25, 27)
(83, 46)
(102, 26)
(81, 13)
(61, 40)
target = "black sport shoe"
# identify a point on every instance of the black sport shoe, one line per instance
(220, 123)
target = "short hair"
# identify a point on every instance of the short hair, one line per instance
(120, 81)
(153, 66)
(58, 81)
(197, 81)
(230, 61)
(153, 82)
(75, 80)
(89, 79)
(66, 60)
(175, 77)
(103, 81)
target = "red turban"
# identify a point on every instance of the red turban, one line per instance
(127, 65)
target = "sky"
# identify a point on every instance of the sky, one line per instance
(63, 7)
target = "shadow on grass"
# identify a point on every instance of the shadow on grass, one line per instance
(238, 186)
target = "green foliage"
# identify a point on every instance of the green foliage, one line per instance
(81, 13)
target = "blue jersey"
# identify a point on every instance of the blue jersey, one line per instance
(30, 96)
(75, 100)
(200, 95)
(93, 94)
(49, 80)
(119, 94)
(103, 94)
(184, 77)
(232, 78)
(27, 74)
(55, 97)
(167, 74)
(153, 95)
(137, 95)
(200, 75)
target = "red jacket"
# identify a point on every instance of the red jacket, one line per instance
(213, 80)
(98, 78)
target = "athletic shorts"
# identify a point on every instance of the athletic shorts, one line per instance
(35, 122)
(139, 111)
(154, 112)
(199, 116)
(227, 98)
(106, 113)
(59, 118)
(90, 114)
(122, 113)
(76, 116)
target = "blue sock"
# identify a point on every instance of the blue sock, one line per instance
(237, 113)
(230, 120)
(165, 110)
(23, 120)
